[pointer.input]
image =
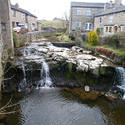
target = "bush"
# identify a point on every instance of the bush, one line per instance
(112, 40)
(93, 38)
(79, 42)
(72, 36)
(98, 31)
(15, 40)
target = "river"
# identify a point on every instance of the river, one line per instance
(50, 105)
(59, 107)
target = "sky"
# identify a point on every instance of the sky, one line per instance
(49, 9)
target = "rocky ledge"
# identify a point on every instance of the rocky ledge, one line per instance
(81, 59)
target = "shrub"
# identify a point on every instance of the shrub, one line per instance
(112, 40)
(15, 40)
(72, 36)
(93, 38)
(98, 31)
(79, 41)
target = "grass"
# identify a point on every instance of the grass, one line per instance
(54, 23)
(64, 38)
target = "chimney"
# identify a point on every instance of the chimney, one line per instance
(118, 3)
(17, 5)
(111, 4)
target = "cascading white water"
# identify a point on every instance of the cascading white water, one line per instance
(121, 73)
(45, 79)
(23, 82)
(45, 74)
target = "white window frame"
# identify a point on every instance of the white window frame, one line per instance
(89, 26)
(79, 12)
(88, 12)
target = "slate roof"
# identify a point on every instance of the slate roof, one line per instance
(88, 5)
(112, 11)
(22, 10)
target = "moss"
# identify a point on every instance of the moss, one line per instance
(15, 40)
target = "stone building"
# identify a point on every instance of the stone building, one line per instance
(82, 15)
(6, 25)
(21, 16)
(6, 39)
(112, 20)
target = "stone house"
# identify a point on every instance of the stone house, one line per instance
(82, 15)
(21, 16)
(6, 25)
(6, 39)
(112, 20)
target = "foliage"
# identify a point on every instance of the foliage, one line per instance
(72, 36)
(98, 31)
(79, 41)
(112, 40)
(15, 40)
(93, 38)
(55, 24)
(106, 51)
(64, 38)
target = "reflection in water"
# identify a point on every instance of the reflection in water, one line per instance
(59, 107)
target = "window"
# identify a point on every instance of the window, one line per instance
(115, 29)
(88, 26)
(78, 24)
(79, 12)
(100, 20)
(110, 29)
(110, 19)
(14, 13)
(107, 29)
(88, 13)
(3, 25)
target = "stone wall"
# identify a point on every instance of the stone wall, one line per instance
(6, 27)
(29, 37)
(6, 39)
(83, 18)
(0, 54)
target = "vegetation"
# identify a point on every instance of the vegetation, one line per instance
(112, 40)
(98, 31)
(93, 38)
(15, 40)
(64, 38)
(55, 24)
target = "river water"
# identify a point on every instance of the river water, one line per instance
(56, 106)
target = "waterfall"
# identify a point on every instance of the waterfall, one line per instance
(23, 82)
(121, 75)
(27, 52)
(46, 80)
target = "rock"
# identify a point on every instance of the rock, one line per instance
(87, 88)
(92, 95)
(77, 49)
(110, 96)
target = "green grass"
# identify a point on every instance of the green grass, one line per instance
(55, 24)
(64, 38)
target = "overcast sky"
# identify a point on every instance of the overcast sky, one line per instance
(48, 9)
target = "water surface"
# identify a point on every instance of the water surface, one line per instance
(59, 107)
